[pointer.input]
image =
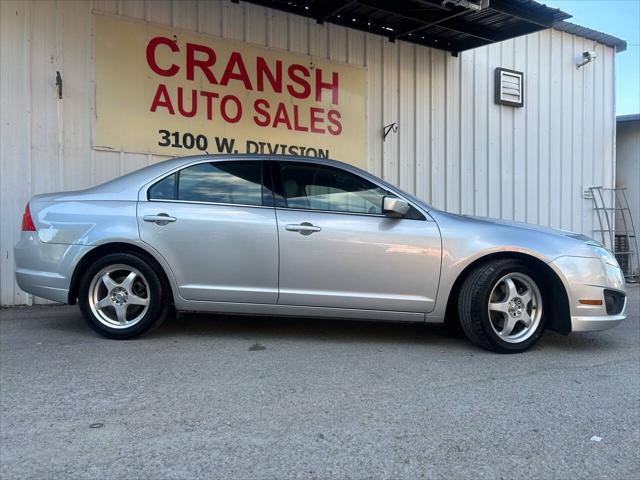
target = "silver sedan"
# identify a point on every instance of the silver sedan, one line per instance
(305, 237)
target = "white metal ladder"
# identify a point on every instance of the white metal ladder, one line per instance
(608, 204)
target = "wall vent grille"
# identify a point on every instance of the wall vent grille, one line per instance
(509, 87)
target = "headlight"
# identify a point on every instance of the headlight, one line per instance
(604, 254)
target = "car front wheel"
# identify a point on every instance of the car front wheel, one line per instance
(501, 306)
(121, 296)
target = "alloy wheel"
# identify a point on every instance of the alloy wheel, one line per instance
(119, 296)
(515, 307)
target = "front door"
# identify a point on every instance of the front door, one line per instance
(212, 227)
(337, 249)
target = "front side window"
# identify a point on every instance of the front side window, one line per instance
(213, 182)
(318, 187)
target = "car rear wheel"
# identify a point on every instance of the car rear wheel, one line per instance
(501, 306)
(121, 296)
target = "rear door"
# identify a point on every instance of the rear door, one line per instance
(215, 225)
(338, 249)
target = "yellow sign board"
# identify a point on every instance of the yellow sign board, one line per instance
(171, 92)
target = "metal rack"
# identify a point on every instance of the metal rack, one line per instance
(611, 204)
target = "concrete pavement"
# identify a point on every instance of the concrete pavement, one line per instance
(238, 397)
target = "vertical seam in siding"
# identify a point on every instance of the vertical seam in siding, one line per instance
(501, 149)
(445, 102)
(526, 131)
(198, 29)
(549, 116)
(27, 60)
(92, 94)
(415, 121)
(28, 86)
(398, 110)
(474, 209)
(571, 150)
(514, 160)
(538, 196)
(60, 103)
(486, 143)
(459, 133)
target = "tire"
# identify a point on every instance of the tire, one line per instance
(122, 282)
(501, 315)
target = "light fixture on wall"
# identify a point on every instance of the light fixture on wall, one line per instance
(587, 57)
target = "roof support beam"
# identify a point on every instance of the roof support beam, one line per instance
(520, 13)
(426, 20)
(327, 9)
(504, 34)
(422, 26)
(449, 27)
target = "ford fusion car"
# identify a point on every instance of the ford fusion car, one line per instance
(279, 235)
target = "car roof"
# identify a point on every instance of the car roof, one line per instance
(178, 162)
(128, 185)
(131, 185)
(249, 156)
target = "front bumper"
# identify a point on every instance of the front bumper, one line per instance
(588, 279)
(594, 324)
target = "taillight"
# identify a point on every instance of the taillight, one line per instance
(27, 221)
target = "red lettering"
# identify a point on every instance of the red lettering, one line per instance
(332, 86)
(262, 72)
(194, 103)
(334, 118)
(281, 116)
(151, 56)
(316, 119)
(203, 64)
(299, 80)
(235, 60)
(223, 108)
(209, 96)
(296, 125)
(261, 107)
(162, 99)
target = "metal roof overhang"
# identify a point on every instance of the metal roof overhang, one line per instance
(451, 25)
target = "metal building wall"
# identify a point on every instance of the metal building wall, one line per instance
(454, 147)
(628, 174)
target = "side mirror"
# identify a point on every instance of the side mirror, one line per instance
(394, 207)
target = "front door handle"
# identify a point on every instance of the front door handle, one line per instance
(304, 228)
(159, 219)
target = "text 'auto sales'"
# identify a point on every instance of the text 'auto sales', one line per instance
(257, 74)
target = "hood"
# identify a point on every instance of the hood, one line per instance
(529, 226)
(488, 222)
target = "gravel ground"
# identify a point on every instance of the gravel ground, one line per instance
(234, 397)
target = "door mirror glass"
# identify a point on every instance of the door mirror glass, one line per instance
(395, 207)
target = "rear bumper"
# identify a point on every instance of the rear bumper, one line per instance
(45, 269)
(588, 279)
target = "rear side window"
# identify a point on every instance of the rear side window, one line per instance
(165, 189)
(215, 182)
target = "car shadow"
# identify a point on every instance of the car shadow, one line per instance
(262, 329)
(309, 329)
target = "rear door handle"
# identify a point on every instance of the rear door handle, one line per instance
(304, 228)
(159, 219)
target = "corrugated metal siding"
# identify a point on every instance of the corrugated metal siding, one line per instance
(454, 147)
(628, 174)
